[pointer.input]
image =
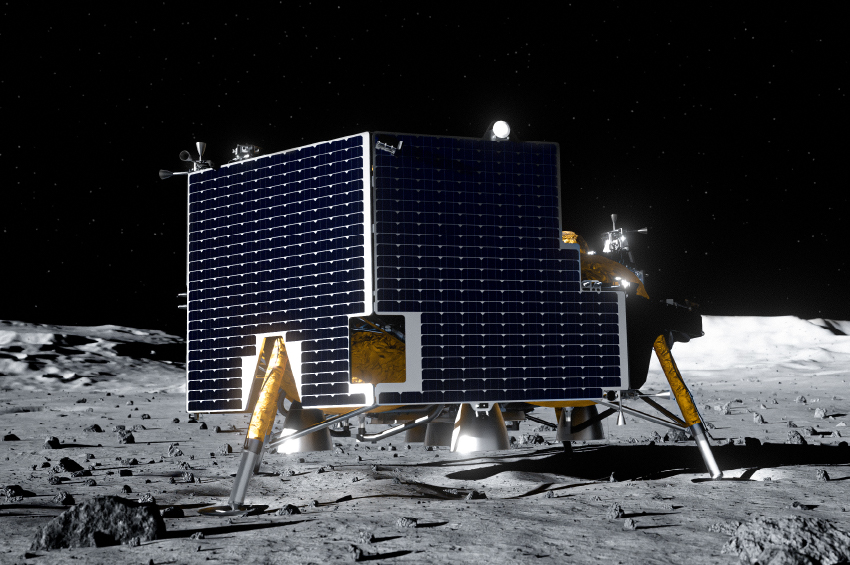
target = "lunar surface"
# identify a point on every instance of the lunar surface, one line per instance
(774, 392)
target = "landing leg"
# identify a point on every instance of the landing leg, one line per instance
(259, 430)
(686, 405)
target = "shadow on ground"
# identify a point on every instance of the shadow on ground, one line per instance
(656, 462)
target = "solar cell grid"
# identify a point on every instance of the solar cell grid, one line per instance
(277, 244)
(467, 233)
(465, 244)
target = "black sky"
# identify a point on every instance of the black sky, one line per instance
(721, 128)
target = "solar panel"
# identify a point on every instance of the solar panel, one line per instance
(458, 238)
(468, 242)
(277, 246)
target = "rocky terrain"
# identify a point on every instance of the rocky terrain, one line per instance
(94, 412)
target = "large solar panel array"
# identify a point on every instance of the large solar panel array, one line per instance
(465, 244)
(277, 245)
(467, 233)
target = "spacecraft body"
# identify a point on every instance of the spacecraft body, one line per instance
(404, 270)
(419, 280)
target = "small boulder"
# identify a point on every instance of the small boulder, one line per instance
(99, 522)
(615, 511)
(64, 499)
(172, 512)
(11, 437)
(126, 437)
(68, 465)
(51, 443)
(94, 428)
(288, 510)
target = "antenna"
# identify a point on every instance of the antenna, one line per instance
(186, 157)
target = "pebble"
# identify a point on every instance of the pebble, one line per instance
(64, 499)
(406, 523)
(795, 438)
(172, 512)
(126, 437)
(288, 510)
(51, 443)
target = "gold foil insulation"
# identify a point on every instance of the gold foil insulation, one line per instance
(377, 358)
(278, 378)
(677, 384)
(600, 268)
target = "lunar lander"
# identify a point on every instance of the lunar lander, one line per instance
(421, 282)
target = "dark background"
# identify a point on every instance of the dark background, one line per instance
(721, 128)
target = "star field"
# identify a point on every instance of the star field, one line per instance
(713, 126)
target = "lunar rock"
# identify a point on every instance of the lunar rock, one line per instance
(406, 522)
(629, 524)
(68, 465)
(172, 512)
(820, 413)
(51, 443)
(795, 438)
(174, 451)
(126, 437)
(288, 510)
(11, 437)
(93, 428)
(225, 449)
(101, 521)
(615, 511)
(12, 491)
(64, 499)
(793, 539)
(821, 475)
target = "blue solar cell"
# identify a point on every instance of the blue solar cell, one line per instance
(467, 234)
(276, 246)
